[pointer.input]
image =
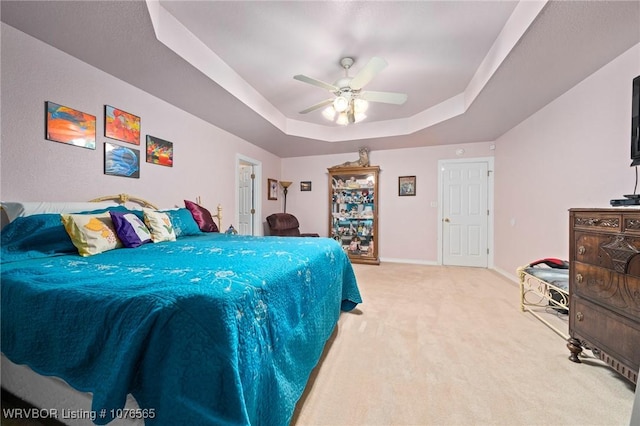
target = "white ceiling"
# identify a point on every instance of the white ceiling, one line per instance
(472, 69)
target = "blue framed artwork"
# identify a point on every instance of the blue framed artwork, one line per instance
(121, 161)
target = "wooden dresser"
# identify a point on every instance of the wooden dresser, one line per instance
(604, 286)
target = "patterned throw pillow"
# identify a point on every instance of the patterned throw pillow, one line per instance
(91, 233)
(202, 217)
(183, 222)
(160, 226)
(130, 229)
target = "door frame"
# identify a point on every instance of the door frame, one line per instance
(490, 194)
(241, 160)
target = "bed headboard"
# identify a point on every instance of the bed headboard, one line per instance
(50, 207)
(125, 198)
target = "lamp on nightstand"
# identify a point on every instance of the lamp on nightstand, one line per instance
(285, 188)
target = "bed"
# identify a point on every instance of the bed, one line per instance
(208, 329)
(545, 289)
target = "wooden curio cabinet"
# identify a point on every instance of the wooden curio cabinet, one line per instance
(353, 211)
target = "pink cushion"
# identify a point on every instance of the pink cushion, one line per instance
(202, 217)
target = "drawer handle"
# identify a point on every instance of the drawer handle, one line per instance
(582, 250)
(579, 316)
(579, 278)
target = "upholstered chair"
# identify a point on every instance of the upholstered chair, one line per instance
(285, 225)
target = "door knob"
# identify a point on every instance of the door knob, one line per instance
(446, 219)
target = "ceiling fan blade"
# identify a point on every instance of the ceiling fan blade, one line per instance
(317, 106)
(385, 97)
(316, 82)
(366, 74)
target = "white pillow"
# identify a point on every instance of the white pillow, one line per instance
(15, 209)
(91, 233)
(160, 225)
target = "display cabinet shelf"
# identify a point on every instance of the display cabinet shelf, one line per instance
(353, 211)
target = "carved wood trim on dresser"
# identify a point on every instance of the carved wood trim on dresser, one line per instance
(604, 286)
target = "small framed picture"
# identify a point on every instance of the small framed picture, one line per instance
(121, 125)
(272, 189)
(121, 161)
(159, 151)
(406, 186)
(305, 185)
(68, 125)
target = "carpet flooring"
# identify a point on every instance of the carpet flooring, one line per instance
(437, 345)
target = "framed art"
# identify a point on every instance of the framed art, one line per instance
(406, 185)
(121, 125)
(305, 185)
(121, 161)
(272, 189)
(70, 126)
(159, 151)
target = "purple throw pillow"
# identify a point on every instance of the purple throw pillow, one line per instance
(202, 217)
(130, 229)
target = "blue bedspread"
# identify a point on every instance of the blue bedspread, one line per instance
(207, 330)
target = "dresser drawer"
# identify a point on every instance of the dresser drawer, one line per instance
(607, 220)
(597, 325)
(607, 288)
(612, 251)
(588, 248)
(610, 221)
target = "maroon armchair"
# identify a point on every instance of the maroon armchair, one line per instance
(285, 225)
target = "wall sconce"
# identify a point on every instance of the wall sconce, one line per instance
(285, 188)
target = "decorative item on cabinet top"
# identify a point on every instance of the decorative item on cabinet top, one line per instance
(362, 161)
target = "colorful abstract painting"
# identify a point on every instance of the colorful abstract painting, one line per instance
(121, 161)
(159, 151)
(70, 126)
(121, 125)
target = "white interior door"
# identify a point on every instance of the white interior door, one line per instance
(465, 213)
(245, 199)
(248, 196)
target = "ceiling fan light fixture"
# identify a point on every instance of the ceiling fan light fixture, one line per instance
(340, 104)
(360, 106)
(329, 113)
(342, 120)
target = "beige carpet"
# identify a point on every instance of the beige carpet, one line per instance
(435, 345)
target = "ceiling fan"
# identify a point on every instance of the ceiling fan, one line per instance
(350, 100)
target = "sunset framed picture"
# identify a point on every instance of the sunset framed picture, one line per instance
(121, 125)
(70, 126)
(159, 151)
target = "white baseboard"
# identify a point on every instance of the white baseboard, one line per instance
(510, 276)
(412, 261)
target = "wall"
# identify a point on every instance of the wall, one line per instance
(33, 168)
(408, 226)
(574, 152)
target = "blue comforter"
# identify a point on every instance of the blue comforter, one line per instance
(207, 330)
